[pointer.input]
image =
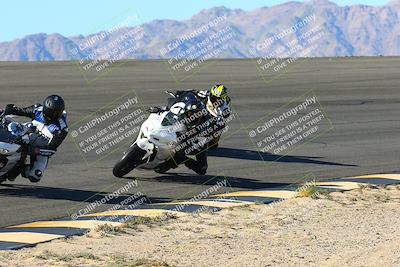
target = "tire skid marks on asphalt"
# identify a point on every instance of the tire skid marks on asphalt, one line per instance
(28, 234)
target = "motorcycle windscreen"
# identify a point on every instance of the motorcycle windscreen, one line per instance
(170, 119)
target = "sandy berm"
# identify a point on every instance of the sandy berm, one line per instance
(355, 228)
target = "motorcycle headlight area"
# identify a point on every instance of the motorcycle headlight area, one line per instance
(164, 133)
(3, 161)
(4, 151)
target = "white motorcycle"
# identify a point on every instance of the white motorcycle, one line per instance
(163, 134)
(155, 144)
(14, 147)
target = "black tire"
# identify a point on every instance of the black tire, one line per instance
(12, 174)
(131, 159)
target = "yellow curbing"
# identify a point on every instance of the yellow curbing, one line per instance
(84, 224)
(30, 238)
(284, 194)
(339, 185)
(27, 237)
(391, 176)
(211, 203)
(139, 212)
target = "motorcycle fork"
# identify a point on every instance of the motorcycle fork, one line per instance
(28, 158)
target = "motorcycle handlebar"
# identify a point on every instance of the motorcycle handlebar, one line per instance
(170, 93)
(2, 113)
(6, 111)
(31, 129)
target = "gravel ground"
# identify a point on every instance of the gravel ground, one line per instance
(355, 228)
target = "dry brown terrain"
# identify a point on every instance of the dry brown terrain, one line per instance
(349, 30)
(356, 228)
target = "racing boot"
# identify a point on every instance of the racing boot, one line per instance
(172, 163)
(35, 173)
(166, 166)
(192, 164)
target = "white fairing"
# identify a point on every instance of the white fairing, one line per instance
(156, 138)
(10, 151)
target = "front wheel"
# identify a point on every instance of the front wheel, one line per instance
(131, 159)
(12, 174)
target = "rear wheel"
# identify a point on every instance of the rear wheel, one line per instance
(131, 159)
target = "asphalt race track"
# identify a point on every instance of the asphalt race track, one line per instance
(360, 96)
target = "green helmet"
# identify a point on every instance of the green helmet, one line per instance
(219, 91)
(218, 95)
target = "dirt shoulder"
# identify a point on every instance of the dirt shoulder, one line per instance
(356, 228)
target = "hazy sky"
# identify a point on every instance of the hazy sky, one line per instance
(19, 18)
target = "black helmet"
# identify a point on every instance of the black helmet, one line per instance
(53, 108)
